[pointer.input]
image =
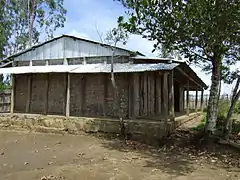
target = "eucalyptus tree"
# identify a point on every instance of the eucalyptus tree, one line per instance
(206, 32)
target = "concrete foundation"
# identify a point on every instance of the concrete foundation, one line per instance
(140, 129)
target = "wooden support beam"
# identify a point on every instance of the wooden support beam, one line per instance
(201, 107)
(12, 94)
(165, 96)
(181, 99)
(153, 111)
(136, 103)
(46, 94)
(130, 96)
(171, 97)
(105, 84)
(29, 93)
(188, 98)
(149, 93)
(83, 89)
(158, 93)
(196, 101)
(185, 74)
(68, 95)
(145, 94)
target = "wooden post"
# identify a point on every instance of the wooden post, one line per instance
(165, 96)
(149, 93)
(105, 84)
(29, 91)
(196, 101)
(188, 98)
(181, 99)
(171, 97)
(68, 95)
(46, 94)
(158, 93)
(12, 94)
(145, 90)
(83, 89)
(131, 96)
(201, 107)
(135, 95)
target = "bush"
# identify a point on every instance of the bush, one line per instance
(223, 108)
(237, 108)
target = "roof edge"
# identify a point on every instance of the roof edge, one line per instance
(69, 36)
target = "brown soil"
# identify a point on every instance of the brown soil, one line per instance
(35, 156)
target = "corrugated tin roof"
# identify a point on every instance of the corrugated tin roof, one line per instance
(157, 58)
(89, 68)
(69, 36)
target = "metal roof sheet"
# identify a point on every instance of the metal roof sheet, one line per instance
(156, 58)
(89, 68)
(73, 37)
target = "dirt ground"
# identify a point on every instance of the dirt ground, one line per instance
(35, 156)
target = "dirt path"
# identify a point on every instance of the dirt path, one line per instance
(31, 156)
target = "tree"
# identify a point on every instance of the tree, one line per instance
(113, 37)
(229, 76)
(204, 31)
(32, 19)
(5, 25)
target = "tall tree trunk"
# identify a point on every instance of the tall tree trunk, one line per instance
(118, 100)
(212, 108)
(228, 123)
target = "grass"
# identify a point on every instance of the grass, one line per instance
(201, 126)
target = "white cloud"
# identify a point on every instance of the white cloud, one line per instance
(78, 34)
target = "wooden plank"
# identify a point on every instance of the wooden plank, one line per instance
(12, 94)
(46, 93)
(83, 89)
(196, 101)
(105, 84)
(136, 104)
(145, 99)
(141, 95)
(158, 93)
(29, 93)
(181, 99)
(152, 77)
(165, 96)
(130, 96)
(201, 106)
(68, 95)
(149, 93)
(187, 98)
(185, 74)
(171, 97)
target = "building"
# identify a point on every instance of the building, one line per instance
(71, 76)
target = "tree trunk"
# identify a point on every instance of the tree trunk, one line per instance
(213, 98)
(228, 123)
(118, 100)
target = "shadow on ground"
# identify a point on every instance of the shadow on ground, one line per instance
(180, 154)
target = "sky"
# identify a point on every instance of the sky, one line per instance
(85, 18)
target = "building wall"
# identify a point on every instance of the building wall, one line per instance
(92, 95)
(37, 102)
(20, 92)
(57, 91)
